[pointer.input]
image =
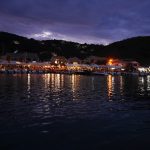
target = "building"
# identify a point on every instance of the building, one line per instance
(74, 61)
(58, 60)
(128, 65)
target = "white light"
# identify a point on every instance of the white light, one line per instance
(142, 69)
(44, 34)
(75, 63)
(56, 62)
(17, 62)
(113, 68)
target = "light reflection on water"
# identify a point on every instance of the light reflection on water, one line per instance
(69, 96)
(28, 85)
(115, 86)
(74, 106)
(144, 85)
(110, 86)
(74, 81)
(148, 83)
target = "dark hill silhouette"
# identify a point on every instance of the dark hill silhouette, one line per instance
(137, 48)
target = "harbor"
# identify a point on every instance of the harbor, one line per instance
(74, 75)
(110, 68)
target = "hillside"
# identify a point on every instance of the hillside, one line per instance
(137, 48)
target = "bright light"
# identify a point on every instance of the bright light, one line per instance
(110, 62)
(75, 63)
(113, 68)
(56, 62)
(46, 34)
(17, 62)
(142, 69)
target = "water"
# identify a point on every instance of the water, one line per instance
(54, 111)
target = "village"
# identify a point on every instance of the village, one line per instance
(29, 63)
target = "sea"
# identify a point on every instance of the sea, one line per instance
(73, 112)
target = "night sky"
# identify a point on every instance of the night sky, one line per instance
(90, 21)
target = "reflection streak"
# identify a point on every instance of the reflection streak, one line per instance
(110, 85)
(74, 83)
(28, 85)
(148, 83)
(141, 85)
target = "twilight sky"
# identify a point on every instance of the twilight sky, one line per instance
(91, 21)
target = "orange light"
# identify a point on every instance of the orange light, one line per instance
(110, 62)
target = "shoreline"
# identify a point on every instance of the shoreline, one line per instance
(90, 73)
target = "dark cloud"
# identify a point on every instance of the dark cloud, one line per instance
(97, 21)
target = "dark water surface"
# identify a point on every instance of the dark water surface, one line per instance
(68, 112)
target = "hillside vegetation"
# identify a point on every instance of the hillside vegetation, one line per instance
(137, 48)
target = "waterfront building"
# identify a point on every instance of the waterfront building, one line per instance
(58, 60)
(74, 61)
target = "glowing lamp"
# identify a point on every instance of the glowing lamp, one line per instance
(110, 62)
(56, 62)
